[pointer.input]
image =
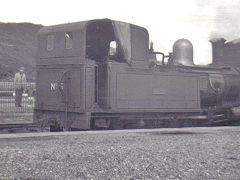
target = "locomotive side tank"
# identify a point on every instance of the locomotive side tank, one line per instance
(83, 82)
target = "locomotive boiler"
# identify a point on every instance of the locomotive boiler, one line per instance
(102, 74)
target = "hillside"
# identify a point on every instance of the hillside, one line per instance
(18, 47)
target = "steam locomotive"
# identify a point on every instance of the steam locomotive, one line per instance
(102, 74)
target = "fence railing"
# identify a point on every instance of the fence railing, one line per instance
(9, 86)
(9, 112)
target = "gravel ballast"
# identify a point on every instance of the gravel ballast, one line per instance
(187, 153)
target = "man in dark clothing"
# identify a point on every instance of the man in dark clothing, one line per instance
(19, 84)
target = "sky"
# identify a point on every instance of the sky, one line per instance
(166, 20)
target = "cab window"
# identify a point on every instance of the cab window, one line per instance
(68, 40)
(50, 42)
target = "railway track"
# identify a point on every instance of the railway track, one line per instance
(33, 127)
(19, 128)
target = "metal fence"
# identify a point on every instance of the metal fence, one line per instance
(9, 113)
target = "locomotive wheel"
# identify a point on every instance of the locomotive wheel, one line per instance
(92, 124)
(228, 114)
(116, 124)
(54, 128)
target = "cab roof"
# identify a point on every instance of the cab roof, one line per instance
(78, 26)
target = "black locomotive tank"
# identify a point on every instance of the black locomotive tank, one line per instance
(218, 84)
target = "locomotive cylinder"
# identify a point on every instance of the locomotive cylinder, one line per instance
(183, 52)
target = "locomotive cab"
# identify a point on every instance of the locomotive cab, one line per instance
(74, 64)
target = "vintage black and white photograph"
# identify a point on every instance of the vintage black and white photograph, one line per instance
(120, 90)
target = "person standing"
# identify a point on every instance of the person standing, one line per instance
(19, 84)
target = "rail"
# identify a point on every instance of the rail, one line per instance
(19, 127)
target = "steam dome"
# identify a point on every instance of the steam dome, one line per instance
(183, 52)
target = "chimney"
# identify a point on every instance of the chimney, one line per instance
(217, 49)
